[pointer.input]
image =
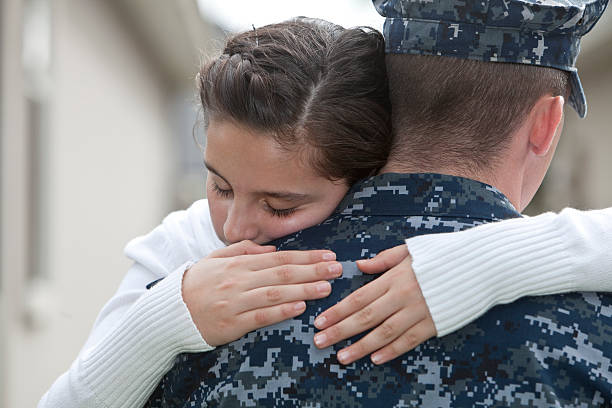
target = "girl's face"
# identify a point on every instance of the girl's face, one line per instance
(258, 191)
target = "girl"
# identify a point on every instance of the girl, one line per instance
(308, 99)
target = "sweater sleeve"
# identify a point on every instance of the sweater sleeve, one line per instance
(139, 332)
(464, 274)
(125, 365)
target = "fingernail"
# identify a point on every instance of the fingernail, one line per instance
(320, 321)
(320, 339)
(298, 307)
(344, 355)
(329, 256)
(323, 287)
(335, 269)
(376, 358)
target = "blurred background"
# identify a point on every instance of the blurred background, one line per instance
(97, 119)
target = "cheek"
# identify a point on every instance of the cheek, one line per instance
(279, 227)
(275, 227)
(313, 215)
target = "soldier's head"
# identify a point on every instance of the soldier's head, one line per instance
(478, 87)
(295, 113)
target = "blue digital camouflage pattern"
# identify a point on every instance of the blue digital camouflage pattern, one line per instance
(549, 351)
(537, 32)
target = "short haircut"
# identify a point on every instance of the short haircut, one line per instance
(315, 87)
(460, 113)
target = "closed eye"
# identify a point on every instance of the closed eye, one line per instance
(223, 193)
(281, 212)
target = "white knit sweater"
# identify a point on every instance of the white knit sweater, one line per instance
(139, 332)
(464, 274)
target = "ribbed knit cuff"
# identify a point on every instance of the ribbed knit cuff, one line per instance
(126, 366)
(589, 236)
(464, 274)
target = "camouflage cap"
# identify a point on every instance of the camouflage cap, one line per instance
(536, 32)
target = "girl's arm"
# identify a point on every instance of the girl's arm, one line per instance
(465, 274)
(442, 282)
(139, 332)
(133, 342)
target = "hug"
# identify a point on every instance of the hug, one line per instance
(335, 154)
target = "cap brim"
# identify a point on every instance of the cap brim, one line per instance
(577, 100)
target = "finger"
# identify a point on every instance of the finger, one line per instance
(275, 295)
(416, 335)
(258, 318)
(384, 334)
(260, 249)
(245, 247)
(351, 304)
(265, 261)
(384, 261)
(293, 274)
(367, 317)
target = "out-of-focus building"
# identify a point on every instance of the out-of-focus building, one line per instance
(581, 171)
(97, 113)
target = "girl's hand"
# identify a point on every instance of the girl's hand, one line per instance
(394, 303)
(245, 287)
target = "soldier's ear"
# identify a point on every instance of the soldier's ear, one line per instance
(546, 119)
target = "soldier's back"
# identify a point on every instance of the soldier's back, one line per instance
(540, 351)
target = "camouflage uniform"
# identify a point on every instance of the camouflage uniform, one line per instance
(543, 351)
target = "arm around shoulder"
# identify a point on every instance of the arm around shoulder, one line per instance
(464, 274)
(139, 332)
(122, 368)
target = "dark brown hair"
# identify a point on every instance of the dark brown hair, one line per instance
(461, 113)
(315, 87)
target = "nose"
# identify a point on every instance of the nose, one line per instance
(239, 224)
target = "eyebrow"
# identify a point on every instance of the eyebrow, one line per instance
(212, 169)
(284, 195)
(281, 195)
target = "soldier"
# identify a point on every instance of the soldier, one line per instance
(478, 90)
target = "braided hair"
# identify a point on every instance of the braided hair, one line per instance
(314, 86)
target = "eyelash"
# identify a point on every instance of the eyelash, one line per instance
(285, 212)
(281, 213)
(221, 192)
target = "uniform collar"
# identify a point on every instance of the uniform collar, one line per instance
(426, 194)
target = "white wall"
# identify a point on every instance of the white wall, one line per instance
(106, 166)
(14, 148)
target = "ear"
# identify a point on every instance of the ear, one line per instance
(546, 116)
